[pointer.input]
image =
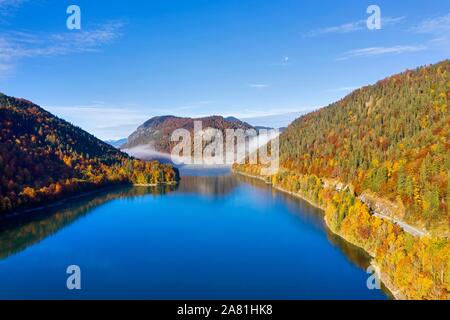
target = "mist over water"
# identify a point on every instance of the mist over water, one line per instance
(251, 145)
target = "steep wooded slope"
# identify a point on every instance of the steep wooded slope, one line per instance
(43, 157)
(392, 138)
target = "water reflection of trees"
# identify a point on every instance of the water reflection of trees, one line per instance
(315, 217)
(16, 234)
(215, 186)
(356, 255)
(19, 233)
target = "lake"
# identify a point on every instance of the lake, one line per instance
(213, 237)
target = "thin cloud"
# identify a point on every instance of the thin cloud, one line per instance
(15, 45)
(8, 6)
(106, 122)
(259, 85)
(10, 3)
(5, 68)
(438, 28)
(441, 42)
(116, 122)
(352, 27)
(378, 51)
(437, 25)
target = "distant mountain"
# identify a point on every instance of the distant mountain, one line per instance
(258, 128)
(117, 143)
(43, 158)
(156, 132)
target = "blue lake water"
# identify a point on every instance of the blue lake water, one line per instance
(218, 237)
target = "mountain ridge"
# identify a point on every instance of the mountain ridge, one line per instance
(156, 132)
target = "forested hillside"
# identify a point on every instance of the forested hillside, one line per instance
(43, 157)
(388, 143)
(392, 138)
(156, 133)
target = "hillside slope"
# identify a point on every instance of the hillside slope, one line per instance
(43, 157)
(156, 132)
(392, 138)
(377, 161)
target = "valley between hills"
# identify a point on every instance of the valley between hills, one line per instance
(377, 162)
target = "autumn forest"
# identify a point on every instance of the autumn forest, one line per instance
(378, 163)
(43, 158)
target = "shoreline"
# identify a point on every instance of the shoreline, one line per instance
(248, 175)
(154, 184)
(56, 203)
(396, 294)
(62, 201)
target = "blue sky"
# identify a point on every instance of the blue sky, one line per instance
(246, 58)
